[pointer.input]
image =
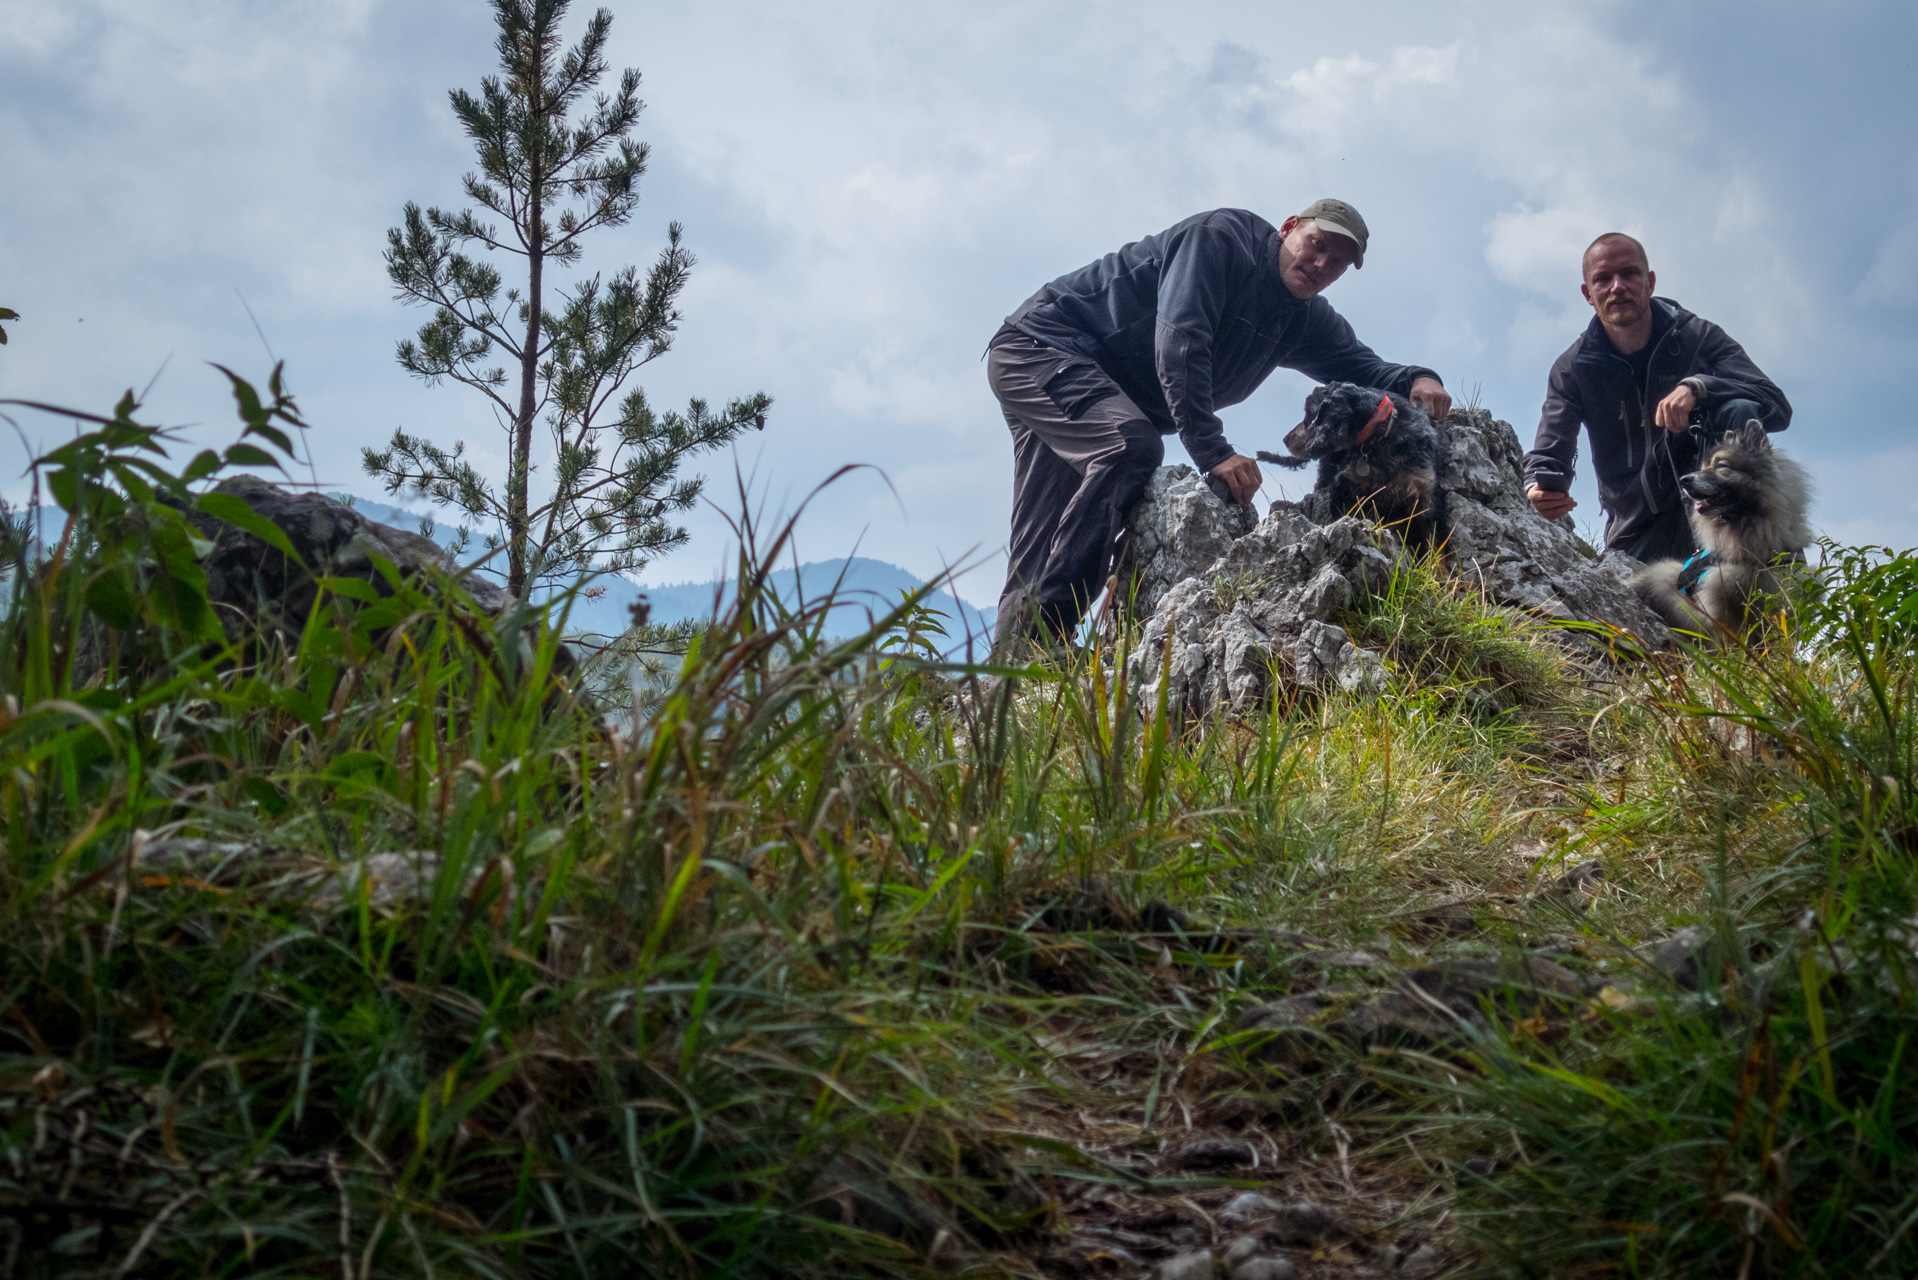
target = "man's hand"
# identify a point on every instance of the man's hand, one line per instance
(1241, 475)
(1430, 395)
(1675, 410)
(1548, 504)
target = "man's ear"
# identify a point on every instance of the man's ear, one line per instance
(1585, 291)
(1285, 228)
(1651, 280)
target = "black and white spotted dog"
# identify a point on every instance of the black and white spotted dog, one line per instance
(1379, 455)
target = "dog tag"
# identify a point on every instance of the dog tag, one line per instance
(1360, 468)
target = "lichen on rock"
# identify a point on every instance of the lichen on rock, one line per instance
(1260, 611)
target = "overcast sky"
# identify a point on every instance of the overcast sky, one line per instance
(871, 187)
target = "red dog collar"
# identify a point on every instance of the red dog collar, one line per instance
(1383, 414)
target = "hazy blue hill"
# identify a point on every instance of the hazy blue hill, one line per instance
(865, 586)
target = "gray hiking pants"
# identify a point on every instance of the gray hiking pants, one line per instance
(1082, 452)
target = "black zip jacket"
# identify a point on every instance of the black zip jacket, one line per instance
(1195, 318)
(1638, 462)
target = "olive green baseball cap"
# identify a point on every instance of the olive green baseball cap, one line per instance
(1340, 219)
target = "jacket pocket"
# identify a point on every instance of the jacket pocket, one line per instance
(1076, 386)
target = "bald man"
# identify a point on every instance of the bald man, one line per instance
(1642, 372)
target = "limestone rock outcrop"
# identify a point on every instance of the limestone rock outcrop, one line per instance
(1260, 609)
(1231, 604)
(1523, 560)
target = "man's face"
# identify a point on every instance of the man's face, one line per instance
(1618, 284)
(1311, 259)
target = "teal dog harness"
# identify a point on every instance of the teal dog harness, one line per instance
(1693, 572)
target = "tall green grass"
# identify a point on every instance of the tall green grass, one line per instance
(399, 943)
(612, 1025)
(473, 970)
(1759, 1120)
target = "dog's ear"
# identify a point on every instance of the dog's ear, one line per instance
(1753, 436)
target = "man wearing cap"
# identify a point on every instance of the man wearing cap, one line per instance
(1094, 368)
(1635, 379)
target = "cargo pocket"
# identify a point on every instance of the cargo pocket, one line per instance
(1076, 386)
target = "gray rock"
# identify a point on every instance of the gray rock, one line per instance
(1299, 1222)
(1421, 1261)
(1522, 559)
(1324, 656)
(1186, 1266)
(1241, 1250)
(391, 878)
(1248, 1209)
(1679, 956)
(1179, 529)
(248, 580)
(1235, 612)
(1249, 1258)
(1257, 616)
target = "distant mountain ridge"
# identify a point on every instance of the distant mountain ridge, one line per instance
(865, 588)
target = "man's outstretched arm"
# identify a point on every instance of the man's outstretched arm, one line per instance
(1332, 352)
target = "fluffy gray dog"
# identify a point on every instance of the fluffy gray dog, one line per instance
(1378, 454)
(1748, 504)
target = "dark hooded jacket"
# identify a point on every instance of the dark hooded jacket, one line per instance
(1193, 319)
(1637, 462)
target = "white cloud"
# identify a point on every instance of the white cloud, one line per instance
(1537, 250)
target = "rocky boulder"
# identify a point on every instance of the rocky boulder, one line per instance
(1231, 604)
(1260, 611)
(246, 578)
(1179, 530)
(1521, 559)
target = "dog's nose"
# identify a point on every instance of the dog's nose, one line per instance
(1295, 439)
